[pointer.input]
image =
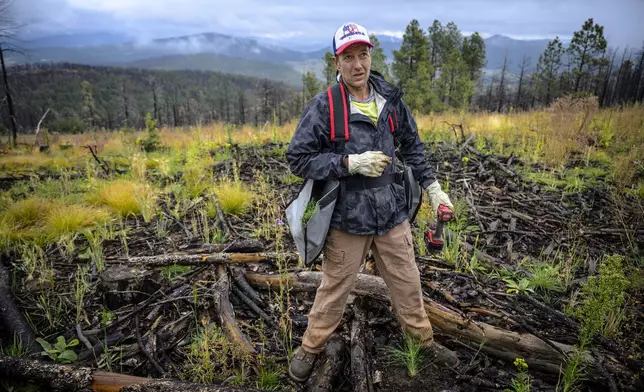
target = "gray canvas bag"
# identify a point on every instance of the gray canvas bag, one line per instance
(310, 235)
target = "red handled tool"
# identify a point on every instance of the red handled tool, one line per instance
(434, 240)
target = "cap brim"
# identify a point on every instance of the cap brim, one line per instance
(357, 41)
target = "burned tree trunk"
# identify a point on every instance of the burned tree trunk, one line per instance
(12, 111)
(12, 321)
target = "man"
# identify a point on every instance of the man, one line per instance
(375, 218)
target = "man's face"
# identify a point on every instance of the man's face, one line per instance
(354, 63)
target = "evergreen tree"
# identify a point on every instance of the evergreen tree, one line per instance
(435, 37)
(89, 109)
(379, 58)
(329, 68)
(474, 55)
(585, 48)
(548, 70)
(411, 67)
(311, 86)
(454, 84)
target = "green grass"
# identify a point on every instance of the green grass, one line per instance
(125, 197)
(234, 197)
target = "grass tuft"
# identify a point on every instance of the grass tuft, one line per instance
(64, 220)
(234, 197)
(125, 197)
(27, 212)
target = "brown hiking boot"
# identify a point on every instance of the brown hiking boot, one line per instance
(302, 365)
(443, 355)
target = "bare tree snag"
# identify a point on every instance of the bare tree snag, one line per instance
(205, 259)
(502, 343)
(12, 321)
(40, 123)
(12, 111)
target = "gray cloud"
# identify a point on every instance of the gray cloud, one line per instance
(316, 21)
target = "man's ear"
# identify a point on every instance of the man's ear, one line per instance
(336, 62)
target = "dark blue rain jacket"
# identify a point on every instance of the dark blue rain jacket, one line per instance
(311, 155)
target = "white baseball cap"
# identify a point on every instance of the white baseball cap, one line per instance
(348, 34)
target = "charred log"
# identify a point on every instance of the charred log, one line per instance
(13, 322)
(326, 375)
(68, 378)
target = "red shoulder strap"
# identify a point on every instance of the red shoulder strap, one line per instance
(339, 114)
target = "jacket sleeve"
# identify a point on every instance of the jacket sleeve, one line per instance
(309, 152)
(412, 148)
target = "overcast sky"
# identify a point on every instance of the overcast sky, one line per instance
(313, 21)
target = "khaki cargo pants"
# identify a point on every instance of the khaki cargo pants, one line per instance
(395, 260)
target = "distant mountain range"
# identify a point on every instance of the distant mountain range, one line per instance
(226, 53)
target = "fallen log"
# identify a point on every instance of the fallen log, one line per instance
(68, 378)
(326, 374)
(204, 259)
(13, 323)
(359, 360)
(504, 344)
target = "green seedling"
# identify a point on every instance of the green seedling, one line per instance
(61, 351)
(410, 354)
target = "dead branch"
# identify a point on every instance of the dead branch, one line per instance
(221, 218)
(225, 312)
(240, 294)
(237, 246)
(204, 259)
(102, 164)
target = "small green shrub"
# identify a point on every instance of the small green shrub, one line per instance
(520, 383)
(602, 310)
(152, 141)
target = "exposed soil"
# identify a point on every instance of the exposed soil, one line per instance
(154, 317)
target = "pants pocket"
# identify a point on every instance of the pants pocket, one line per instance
(333, 263)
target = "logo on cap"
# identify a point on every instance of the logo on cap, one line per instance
(349, 30)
